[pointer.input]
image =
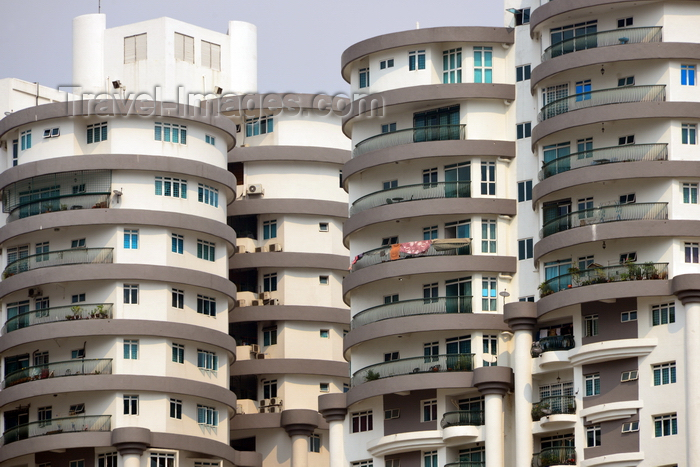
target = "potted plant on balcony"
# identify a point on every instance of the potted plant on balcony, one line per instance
(545, 289)
(76, 312)
(371, 375)
(538, 410)
(549, 458)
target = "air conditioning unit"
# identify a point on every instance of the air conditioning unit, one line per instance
(275, 301)
(255, 189)
(274, 409)
(241, 303)
(240, 249)
(275, 401)
(260, 356)
(255, 348)
(258, 303)
(264, 402)
(35, 292)
(263, 410)
(275, 247)
(258, 249)
(264, 295)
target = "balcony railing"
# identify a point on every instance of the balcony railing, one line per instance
(614, 154)
(410, 135)
(603, 39)
(564, 455)
(59, 369)
(466, 464)
(462, 418)
(412, 193)
(621, 95)
(415, 365)
(61, 313)
(447, 247)
(552, 406)
(600, 275)
(603, 214)
(79, 423)
(58, 258)
(60, 203)
(420, 306)
(552, 343)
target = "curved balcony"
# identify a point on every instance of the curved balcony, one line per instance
(564, 455)
(610, 155)
(410, 135)
(603, 39)
(552, 406)
(462, 418)
(600, 275)
(55, 426)
(438, 247)
(414, 365)
(60, 203)
(603, 214)
(59, 258)
(94, 366)
(420, 306)
(620, 95)
(466, 464)
(416, 192)
(552, 344)
(61, 313)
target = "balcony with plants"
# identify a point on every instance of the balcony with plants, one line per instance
(414, 365)
(610, 38)
(408, 250)
(408, 193)
(563, 455)
(78, 367)
(75, 424)
(59, 258)
(410, 135)
(56, 314)
(416, 307)
(604, 214)
(462, 418)
(553, 405)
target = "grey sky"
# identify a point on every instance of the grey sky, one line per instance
(299, 42)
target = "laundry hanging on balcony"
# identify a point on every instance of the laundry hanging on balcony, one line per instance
(450, 243)
(415, 248)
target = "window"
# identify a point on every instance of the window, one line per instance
(107, 460)
(628, 257)
(131, 405)
(26, 138)
(367, 463)
(77, 463)
(177, 244)
(584, 148)
(430, 233)
(52, 133)
(452, 66)
(364, 77)
(131, 239)
(178, 298)
(625, 22)
(430, 459)
(176, 408)
(483, 64)
(665, 425)
(206, 305)
(488, 236)
(175, 187)
(392, 413)
(690, 193)
(688, 75)
(592, 384)
(431, 350)
(207, 360)
(42, 251)
(390, 184)
(76, 409)
(566, 34)
(628, 81)
(691, 252)
(663, 314)
(324, 387)
(79, 243)
(688, 132)
(325, 334)
(170, 133)
(269, 389)
(625, 140)
(323, 227)
(585, 207)
(490, 349)
(664, 373)
(583, 90)
(210, 140)
(430, 177)
(162, 459)
(270, 336)
(416, 60)
(208, 195)
(523, 130)
(178, 351)
(590, 325)
(259, 126)
(525, 249)
(522, 73)
(208, 416)
(205, 250)
(391, 356)
(593, 435)
(97, 132)
(628, 316)
(79, 353)
(488, 294)
(391, 298)
(524, 191)
(388, 128)
(628, 198)
(269, 229)
(629, 427)
(131, 294)
(389, 63)
(135, 48)
(315, 440)
(211, 55)
(488, 178)
(522, 17)
(41, 358)
(392, 462)
(361, 421)
(15, 152)
(184, 48)
(131, 349)
(270, 282)
(531, 298)
(627, 376)
(44, 415)
(390, 241)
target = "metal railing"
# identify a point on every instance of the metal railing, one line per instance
(462, 418)
(410, 135)
(55, 314)
(60, 203)
(553, 343)
(563, 455)
(553, 405)
(623, 272)
(603, 214)
(415, 365)
(58, 258)
(610, 155)
(412, 193)
(603, 39)
(78, 423)
(383, 254)
(419, 306)
(621, 95)
(93, 366)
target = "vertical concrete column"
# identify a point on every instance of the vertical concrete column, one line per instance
(131, 442)
(333, 408)
(522, 317)
(299, 425)
(131, 460)
(300, 449)
(493, 382)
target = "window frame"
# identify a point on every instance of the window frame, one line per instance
(131, 404)
(178, 353)
(176, 408)
(361, 422)
(591, 384)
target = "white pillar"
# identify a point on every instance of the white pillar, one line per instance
(131, 460)
(692, 380)
(88, 53)
(494, 429)
(300, 450)
(522, 369)
(336, 445)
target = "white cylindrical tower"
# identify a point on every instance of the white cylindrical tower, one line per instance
(88, 53)
(243, 52)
